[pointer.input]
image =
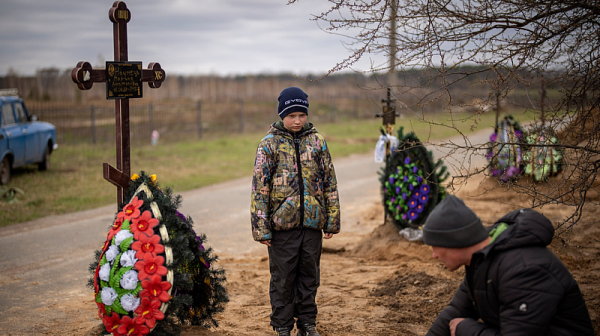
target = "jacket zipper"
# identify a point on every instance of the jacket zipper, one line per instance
(300, 181)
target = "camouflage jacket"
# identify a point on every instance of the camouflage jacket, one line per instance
(285, 197)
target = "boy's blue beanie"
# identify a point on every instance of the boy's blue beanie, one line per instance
(292, 99)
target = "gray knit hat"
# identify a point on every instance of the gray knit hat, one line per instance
(452, 224)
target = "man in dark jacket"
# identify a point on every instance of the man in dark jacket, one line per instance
(513, 284)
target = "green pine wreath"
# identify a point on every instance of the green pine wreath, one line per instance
(411, 182)
(153, 273)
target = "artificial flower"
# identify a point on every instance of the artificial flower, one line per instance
(419, 208)
(143, 224)
(415, 169)
(101, 309)
(407, 160)
(150, 266)
(129, 280)
(423, 199)
(391, 180)
(111, 323)
(108, 296)
(412, 215)
(112, 252)
(116, 227)
(104, 272)
(424, 189)
(129, 302)
(130, 327)
(122, 235)
(148, 312)
(128, 258)
(131, 210)
(412, 203)
(155, 289)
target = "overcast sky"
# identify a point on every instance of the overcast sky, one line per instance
(223, 37)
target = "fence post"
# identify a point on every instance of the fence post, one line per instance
(93, 122)
(241, 116)
(151, 118)
(199, 118)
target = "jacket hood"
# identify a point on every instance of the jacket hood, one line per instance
(277, 128)
(526, 227)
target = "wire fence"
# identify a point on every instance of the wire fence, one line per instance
(179, 120)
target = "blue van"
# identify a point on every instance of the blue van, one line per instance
(23, 139)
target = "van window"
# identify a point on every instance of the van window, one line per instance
(8, 118)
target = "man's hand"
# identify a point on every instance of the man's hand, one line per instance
(453, 324)
(265, 242)
(328, 235)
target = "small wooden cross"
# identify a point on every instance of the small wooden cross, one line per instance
(85, 77)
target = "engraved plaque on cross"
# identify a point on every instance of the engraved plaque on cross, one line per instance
(85, 76)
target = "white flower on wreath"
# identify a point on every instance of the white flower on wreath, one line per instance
(104, 272)
(129, 302)
(112, 252)
(122, 235)
(128, 258)
(108, 296)
(129, 280)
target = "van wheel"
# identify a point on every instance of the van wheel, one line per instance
(4, 171)
(45, 164)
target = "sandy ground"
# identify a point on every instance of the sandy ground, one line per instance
(372, 281)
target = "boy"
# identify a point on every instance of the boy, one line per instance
(294, 200)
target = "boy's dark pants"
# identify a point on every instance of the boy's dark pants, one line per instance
(294, 258)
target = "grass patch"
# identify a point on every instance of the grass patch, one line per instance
(74, 181)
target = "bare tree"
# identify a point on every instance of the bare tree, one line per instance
(498, 44)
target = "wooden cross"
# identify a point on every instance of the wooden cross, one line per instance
(85, 77)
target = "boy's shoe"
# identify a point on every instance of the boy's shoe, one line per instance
(283, 331)
(307, 330)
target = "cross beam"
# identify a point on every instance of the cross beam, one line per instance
(85, 77)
